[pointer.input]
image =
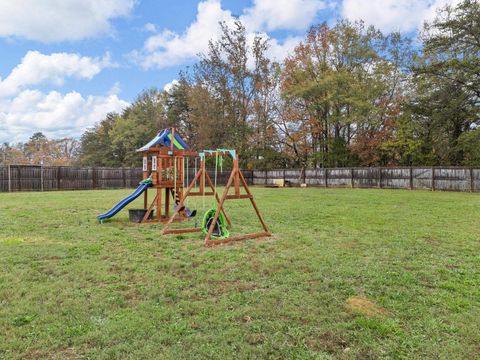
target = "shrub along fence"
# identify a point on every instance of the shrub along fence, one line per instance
(47, 178)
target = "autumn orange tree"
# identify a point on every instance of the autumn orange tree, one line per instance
(40, 150)
(344, 84)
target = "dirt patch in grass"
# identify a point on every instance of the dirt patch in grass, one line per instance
(364, 306)
(327, 342)
(255, 339)
(62, 353)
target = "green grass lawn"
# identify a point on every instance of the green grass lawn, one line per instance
(348, 274)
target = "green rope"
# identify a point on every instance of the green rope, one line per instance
(215, 184)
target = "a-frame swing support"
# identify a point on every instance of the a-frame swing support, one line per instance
(237, 179)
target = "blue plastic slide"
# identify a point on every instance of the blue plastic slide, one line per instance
(141, 188)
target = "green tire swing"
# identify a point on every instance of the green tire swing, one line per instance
(220, 230)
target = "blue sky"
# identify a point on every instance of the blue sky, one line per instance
(65, 63)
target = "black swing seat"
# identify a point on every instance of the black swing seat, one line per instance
(217, 230)
(189, 213)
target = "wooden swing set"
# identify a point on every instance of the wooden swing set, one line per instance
(165, 165)
(238, 181)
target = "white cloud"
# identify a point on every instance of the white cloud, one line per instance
(281, 14)
(393, 15)
(54, 114)
(169, 48)
(279, 50)
(149, 27)
(170, 85)
(59, 20)
(36, 68)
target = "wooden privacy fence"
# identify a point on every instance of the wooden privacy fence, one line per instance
(432, 178)
(47, 178)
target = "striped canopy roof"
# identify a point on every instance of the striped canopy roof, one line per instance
(164, 138)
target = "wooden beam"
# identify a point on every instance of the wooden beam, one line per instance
(167, 202)
(181, 231)
(159, 204)
(254, 204)
(239, 196)
(210, 243)
(147, 214)
(236, 181)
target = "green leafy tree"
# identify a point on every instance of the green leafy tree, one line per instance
(447, 82)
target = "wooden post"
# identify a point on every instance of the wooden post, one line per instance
(202, 178)
(326, 177)
(472, 182)
(9, 179)
(351, 179)
(266, 175)
(236, 180)
(433, 178)
(19, 180)
(380, 177)
(159, 204)
(411, 177)
(94, 178)
(167, 201)
(41, 177)
(124, 178)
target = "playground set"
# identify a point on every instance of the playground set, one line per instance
(166, 160)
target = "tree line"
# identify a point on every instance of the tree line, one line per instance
(348, 95)
(39, 150)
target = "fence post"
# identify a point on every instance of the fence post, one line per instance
(326, 177)
(411, 177)
(351, 178)
(19, 180)
(251, 175)
(124, 178)
(59, 168)
(472, 183)
(433, 178)
(94, 177)
(9, 179)
(41, 177)
(266, 175)
(380, 177)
